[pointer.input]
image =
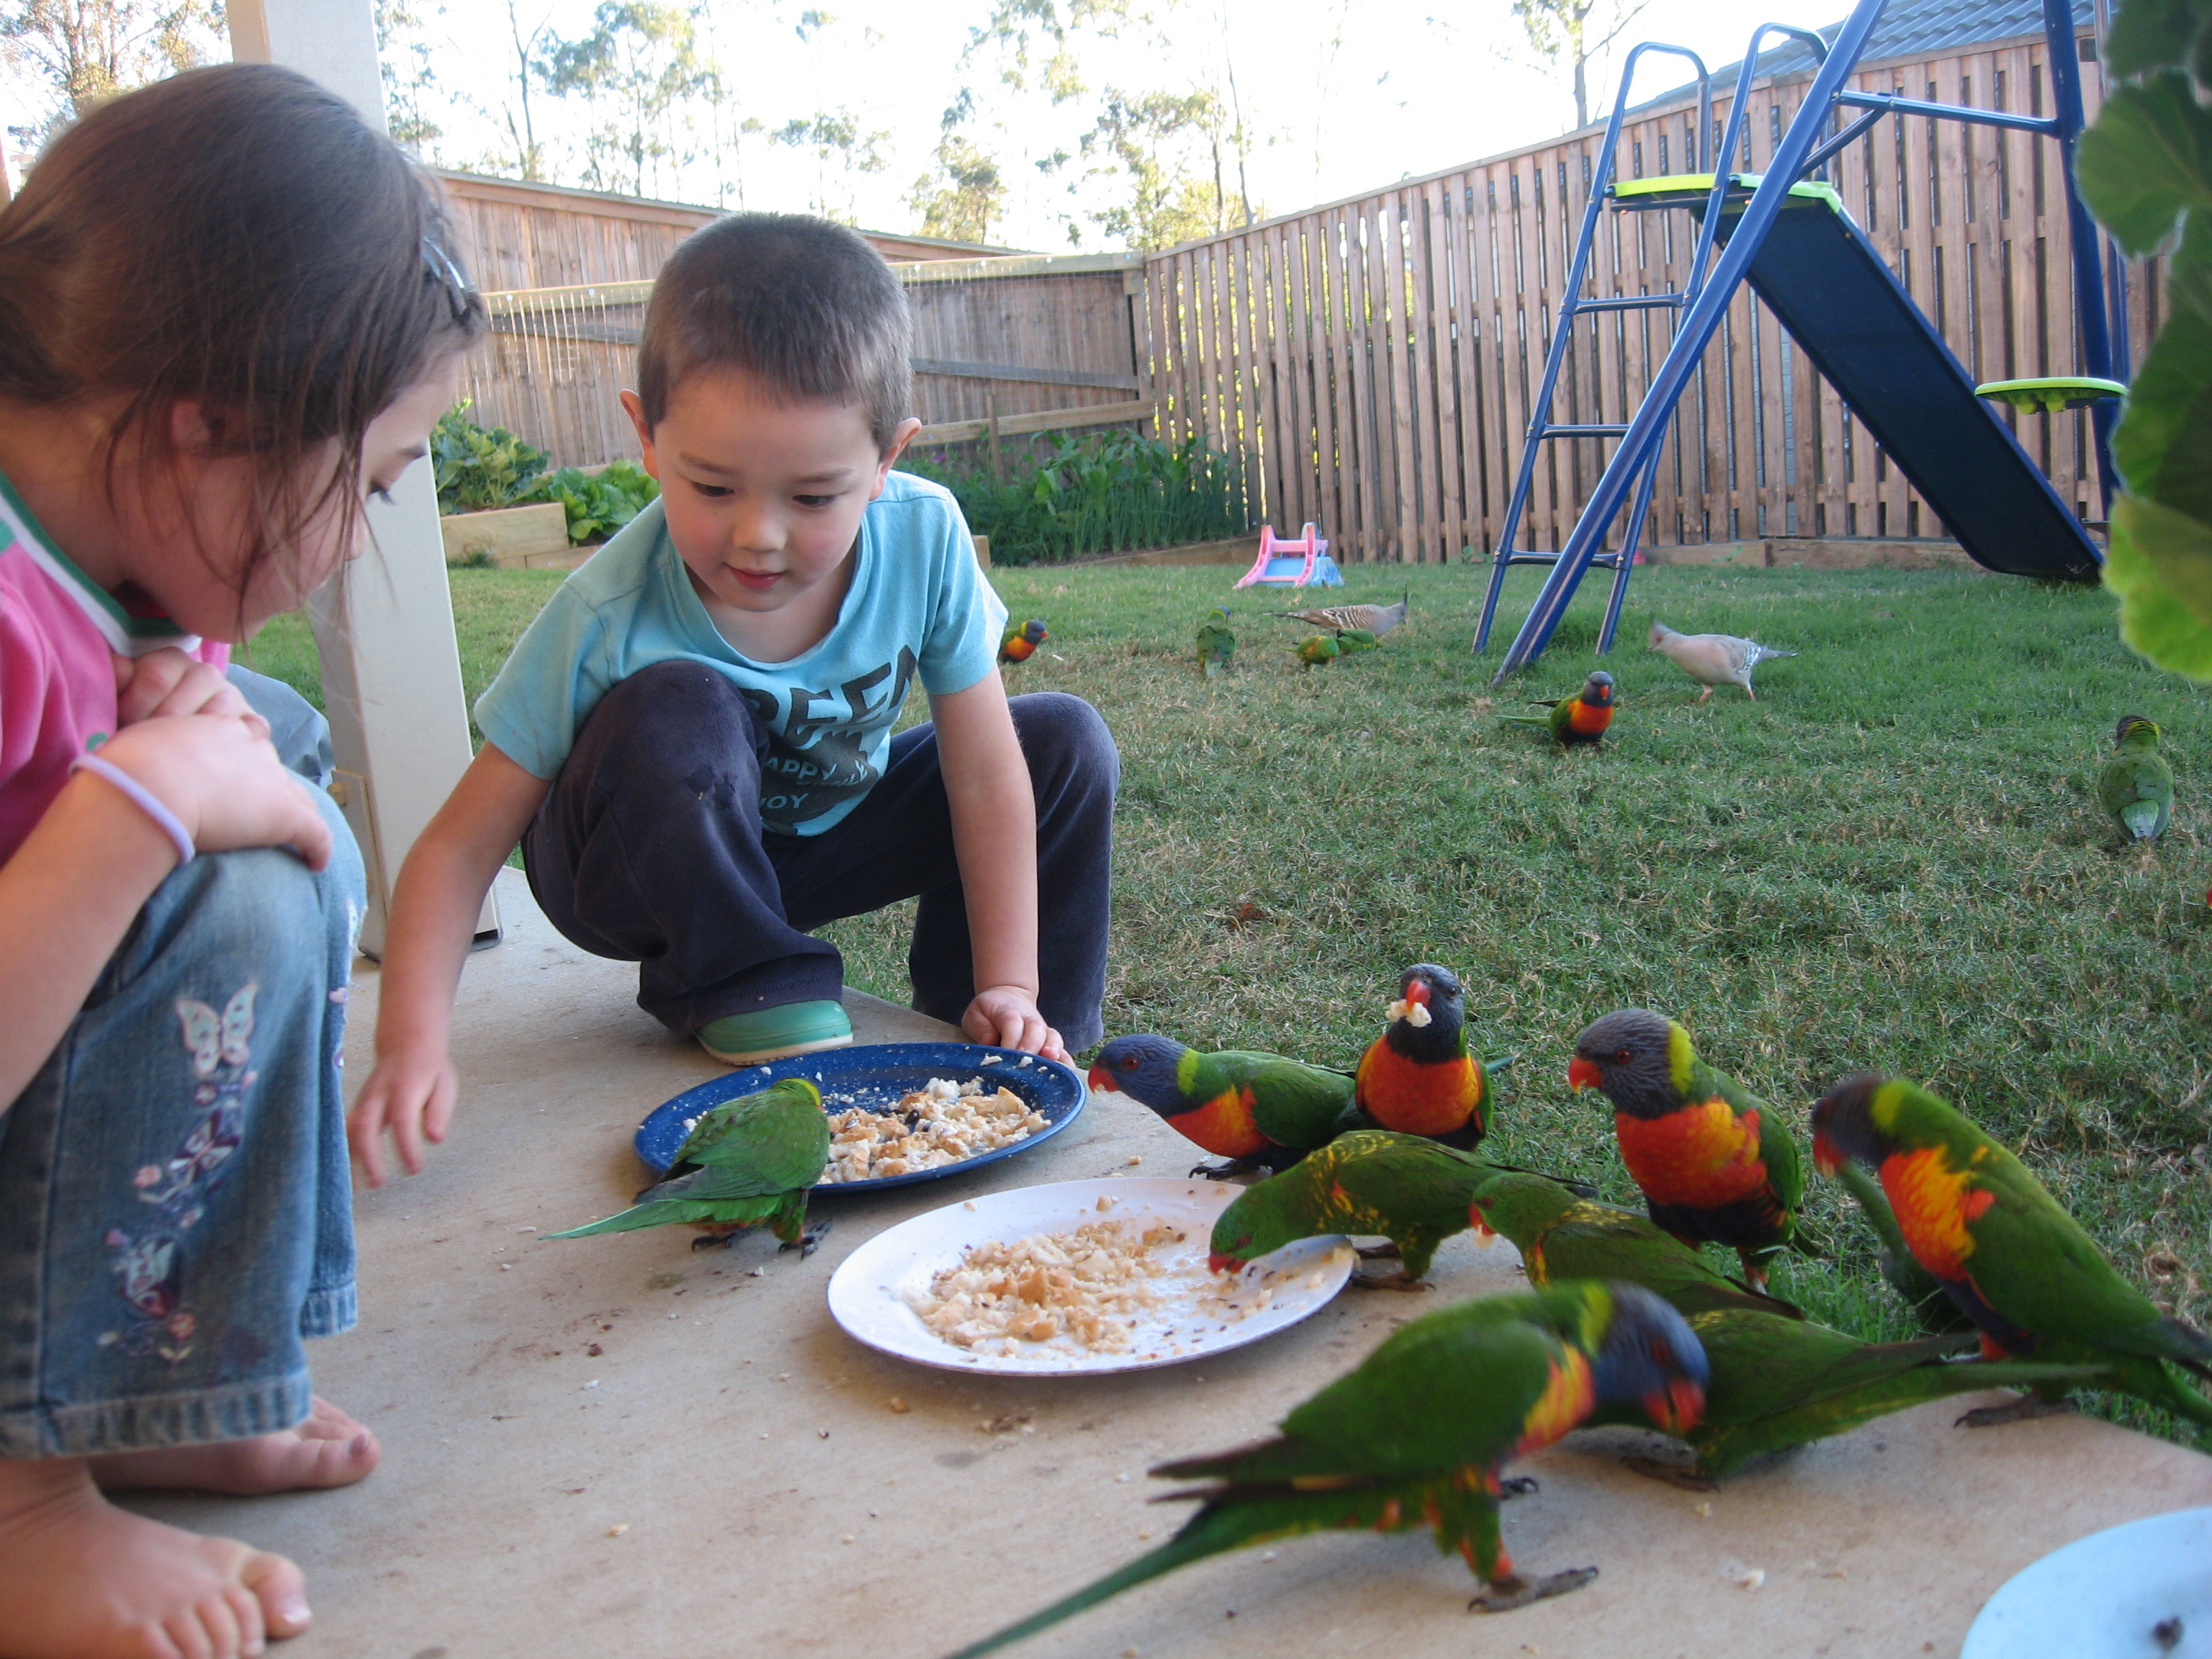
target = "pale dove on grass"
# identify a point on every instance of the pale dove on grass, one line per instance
(1713, 659)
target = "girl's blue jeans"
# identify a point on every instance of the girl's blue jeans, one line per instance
(175, 1203)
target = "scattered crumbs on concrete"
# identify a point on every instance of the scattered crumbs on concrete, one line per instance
(1144, 1536)
(847, 1539)
(783, 1376)
(1267, 1555)
(1121, 1480)
(507, 1267)
(594, 1383)
(897, 1403)
(593, 1349)
(1751, 1579)
(526, 1230)
(821, 1434)
(1704, 1511)
(618, 1529)
(1136, 1158)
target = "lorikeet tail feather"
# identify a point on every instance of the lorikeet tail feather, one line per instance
(1218, 1528)
(2141, 819)
(1544, 721)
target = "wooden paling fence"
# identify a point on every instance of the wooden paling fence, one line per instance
(1002, 348)
(1374, 361)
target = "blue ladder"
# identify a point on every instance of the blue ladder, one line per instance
(1801, 151)
(1542, 428)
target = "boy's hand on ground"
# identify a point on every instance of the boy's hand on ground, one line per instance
(167, 682)
(1007, 1016)
(410, 1094)
(221, 777)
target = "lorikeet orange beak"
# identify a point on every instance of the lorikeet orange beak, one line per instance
(1103, 1078)
(1478, 1221)
(1827, 1156)
(1417, 990)
(1217, 1263)
(1678, 1408)
(1583, 1073)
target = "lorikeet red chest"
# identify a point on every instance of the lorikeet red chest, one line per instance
(1933, 1204)
(1702, 1156)
(1415, 1098)
(1567, 1398)
(1223, 1125)
(1586, 722)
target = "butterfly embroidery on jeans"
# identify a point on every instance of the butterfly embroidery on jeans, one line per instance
(218, 1039)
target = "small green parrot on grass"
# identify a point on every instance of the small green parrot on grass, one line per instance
(1417, 1435)
(2136, 786)
(1215, 644)
(2005, 1251)
(1561, 1235)
(752, 1161)
(1319, 650)
(1580, 718)
(1353, 640)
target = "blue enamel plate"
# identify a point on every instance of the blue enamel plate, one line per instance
(876, 1076)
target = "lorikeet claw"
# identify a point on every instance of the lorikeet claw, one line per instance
(2025, 1409)
(810, 1237)
(1228, 1170)
(1520, 1485)
(1509, 1593)
(1401, 1280)
(1384, 1252)
(1687, 1476)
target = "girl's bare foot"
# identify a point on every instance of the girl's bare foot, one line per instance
(329, 1449)
(81, 1579)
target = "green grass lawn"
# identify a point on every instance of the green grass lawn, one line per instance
(1892, 859)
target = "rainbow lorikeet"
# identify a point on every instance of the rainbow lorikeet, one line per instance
(1921, 1289)
(746, 1164)
(1562, 1235)
(2136, 786)
(1215, 644)
(1351, 640)
(1716, 1162)
(1252, 1108)
(2004, 1249)
(1019, 644)
(1417, 1434)
(1582, 718)
(1319, 650)
(1778, 1380)
(1367, 1183)
(1418, 1078)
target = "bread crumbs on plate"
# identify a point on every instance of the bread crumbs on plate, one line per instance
(942, 1122)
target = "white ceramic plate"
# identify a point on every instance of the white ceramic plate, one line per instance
(2106, 1596)
(870, 1292)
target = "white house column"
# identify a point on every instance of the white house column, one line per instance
(391, 670)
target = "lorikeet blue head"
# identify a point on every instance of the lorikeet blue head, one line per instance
(1145, 1068)
(1651, 1358)
(1597, 690)
(1629, 1054)
(1427, 1019)
(1844, 1125)
(2135, 726)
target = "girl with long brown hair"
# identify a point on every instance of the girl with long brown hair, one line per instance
(228, 316)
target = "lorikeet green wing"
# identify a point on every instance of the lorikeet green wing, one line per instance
(1292, 1103)
(1366, 1183)
(708, 1194)
(1562, 1236)
(2135, 785)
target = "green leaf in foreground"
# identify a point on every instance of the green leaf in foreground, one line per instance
(2160, 564)
(2163, 444)
(2155, 34)
(2147, 161)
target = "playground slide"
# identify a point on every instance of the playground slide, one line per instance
(1825, 283)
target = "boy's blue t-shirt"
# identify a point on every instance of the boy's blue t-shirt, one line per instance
(917, 604)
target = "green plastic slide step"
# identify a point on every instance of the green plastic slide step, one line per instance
(2053, 393)
(1701, 183)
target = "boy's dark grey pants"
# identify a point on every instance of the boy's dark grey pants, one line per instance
(650, 849)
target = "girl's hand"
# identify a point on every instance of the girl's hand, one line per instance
(409, 1093)
(1007, 1016)
(167, 682)
(221, 776)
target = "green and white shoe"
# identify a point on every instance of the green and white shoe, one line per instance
(797, 1028)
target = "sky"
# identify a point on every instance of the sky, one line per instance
(1341, 98)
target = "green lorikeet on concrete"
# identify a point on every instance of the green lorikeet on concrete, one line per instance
(2136, 786)
(2004, 1249)
(1921, 1290)
(1717, 1163)
(1019, 642)
(1252, 1108)
(1418, 1078)
(1417, 1435)
(1319, 650)
(1582, 718)
(752, 1160)
(1782, 1382)
(1561, 1235)
(1215, 644)
(1368, 1184)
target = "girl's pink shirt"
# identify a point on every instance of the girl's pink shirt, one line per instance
(59, 636)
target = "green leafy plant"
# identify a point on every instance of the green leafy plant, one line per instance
(1103, 492)
(2146, 172)
(598, 503)
(476, 469)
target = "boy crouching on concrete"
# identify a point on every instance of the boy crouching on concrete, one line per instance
(692, 742)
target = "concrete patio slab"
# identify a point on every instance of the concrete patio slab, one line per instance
(614, 1446)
